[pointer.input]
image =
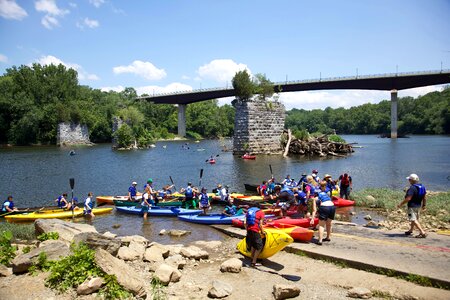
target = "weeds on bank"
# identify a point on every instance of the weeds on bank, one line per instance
(19, 231)
(48, 236)
(157, 290)
(7, 252)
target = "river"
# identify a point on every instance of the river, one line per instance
(37, 175)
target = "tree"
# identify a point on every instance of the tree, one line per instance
(263, 87)
(243, 85)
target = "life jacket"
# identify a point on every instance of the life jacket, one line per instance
(345, 180)
(7, 203)
(231, 209)
(204, 199)
(60, 203)
(421, 191)
(301, 198)
(262, 189)
(323, 197)
(314, 190)
(288, 190)
(250, 218)
(90, 203)
(189, 193)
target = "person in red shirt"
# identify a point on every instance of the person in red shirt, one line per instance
(254, 226)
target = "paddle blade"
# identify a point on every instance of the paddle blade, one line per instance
(72, 183)
(201, 173)
(270, 166)
(171, 180)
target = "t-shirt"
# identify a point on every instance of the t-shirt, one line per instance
(416, 200)
(255, 227)
(132, 190)
(343, 181)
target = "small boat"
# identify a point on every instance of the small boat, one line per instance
(136, 203)
(201, 149)
(251, 187)
(339, 202)
(109, 200)
(54, 214)
(211, 161)
(299, 234)
(302, 222)
(274, 241)
(158, 211)
(245, 156)
(210, 219)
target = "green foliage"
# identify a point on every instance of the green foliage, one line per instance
(7, 252)
(48, 236)
(73, 270)
(157, 290)
(263, 87)
(243, 85)
(428, 114)
(301, 134)
(336, 138)
(19, 231)
(42, 264)
(124, 136)
(26, 249)
(193, 135)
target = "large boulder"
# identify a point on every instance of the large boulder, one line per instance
(5, 271)
(220, 289)
(156, 253)
(193, 252)
(177, 232)
(90, 285)
(283, 291)
(54, 250)
(166, 274)
(232, 265)
(96, 240)
(66, 230)
(126, 276)
(176, 261)
(212, 245)
(134, 238)
(134, 251)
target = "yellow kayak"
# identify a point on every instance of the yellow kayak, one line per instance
(276, 240)
(54, 214)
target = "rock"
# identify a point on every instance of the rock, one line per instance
(370, 198)
(371, 224)
(359, 292)
(5, 271)
(110, 235)
(90, 286)
(53, 248)
(66, 230)
(96, 240)
(174, 249)
(367, 217)
(136, 238)
(126, 276)
(177, 233)
(176, 261)
(233, 265)
(156, 252)
(213, 245)
(352, 213)
(283, 291)
(162, 232)
(115, 226)
(134, 251)
(194, 252)
(166, 274)
(220, 289)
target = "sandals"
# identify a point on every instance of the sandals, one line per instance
(254, 265)
(421, 236)
(326, 240)
(408, 232)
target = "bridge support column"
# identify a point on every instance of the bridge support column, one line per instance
(394, 104)
(182, 120)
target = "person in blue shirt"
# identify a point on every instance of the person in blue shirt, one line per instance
(204, 201)
(8, 205)
(62, 201)
(326, 211)
(189, 196)
(89, 205)
(331, 185)
(132, 191)
(302, 182)
(302, 203)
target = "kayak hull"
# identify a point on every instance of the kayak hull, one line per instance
(339, 202)
(157, 211)
(275, 241)
(53, 214)
(136, 203)
(210, 219)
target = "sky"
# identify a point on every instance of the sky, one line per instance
(167, 46)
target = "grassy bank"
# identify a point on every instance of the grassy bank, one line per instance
(387, 200)
(19, 231)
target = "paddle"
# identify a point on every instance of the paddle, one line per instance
(72, 184)
(171, 180)
(285, 276)
(271, 173)
(201, 175)
(211, 158)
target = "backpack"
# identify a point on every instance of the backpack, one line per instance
(421, 191)
(251, 215)
(189, 192)
(345, 180)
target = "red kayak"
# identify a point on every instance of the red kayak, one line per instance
(339, 202)
(212, 161)
(248, 156)
(304, 222)
(299, 234)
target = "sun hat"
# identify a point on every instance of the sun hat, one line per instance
(327, 175)
(413, 177)
(219, 185)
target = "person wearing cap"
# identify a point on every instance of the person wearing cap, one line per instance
(315, 175)
(204, 201)
(89, 205)
(331, 185)
(345, 185)
(8, 205)
(416, 199)
(132, 191)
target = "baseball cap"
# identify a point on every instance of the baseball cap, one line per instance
(149, 180)
(413, 177)
(134, 182)
(315, 171)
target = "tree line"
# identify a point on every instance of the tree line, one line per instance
(35, 99)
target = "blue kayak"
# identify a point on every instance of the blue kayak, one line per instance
(210, 219)
(158, 211)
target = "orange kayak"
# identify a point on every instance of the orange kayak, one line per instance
(299, 234)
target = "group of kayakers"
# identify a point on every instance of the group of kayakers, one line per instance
(63, 203)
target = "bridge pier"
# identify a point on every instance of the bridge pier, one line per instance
(182, 120)
(394, 104)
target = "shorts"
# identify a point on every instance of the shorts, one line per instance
(254, 240)
(327, 212)
(88, 212)
(413, 213)
(144, 208)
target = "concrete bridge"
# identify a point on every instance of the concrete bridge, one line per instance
(386, 82)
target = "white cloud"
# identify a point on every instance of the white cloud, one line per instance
(221, 70)
(97, 3)
(321, 99)
(3, 58)
(142, 68)
(82, 74)
(89, 23)
(49, 22)
(9, 9)
(117, 88)
(73, 5)
(170, 88)
(50, 7)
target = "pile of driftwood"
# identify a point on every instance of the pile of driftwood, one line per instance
(321, 146)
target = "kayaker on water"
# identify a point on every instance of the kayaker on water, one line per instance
(204, 201)
(132, 191)
(326, 210)
(62, 202)
(416, 197)
(8, 205)
(89, 205)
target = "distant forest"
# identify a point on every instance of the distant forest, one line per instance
(34, 99)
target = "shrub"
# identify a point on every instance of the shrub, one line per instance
(48, 236)
(124, 136)
(7, 252)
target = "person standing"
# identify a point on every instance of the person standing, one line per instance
(89, 206)
(132, 191)
(416, 199)
(254, 238)
(147, 198)
(189, 192)
(315, 175)
(326, 210)
(204, 201)
(345, 186)
(8, 205)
